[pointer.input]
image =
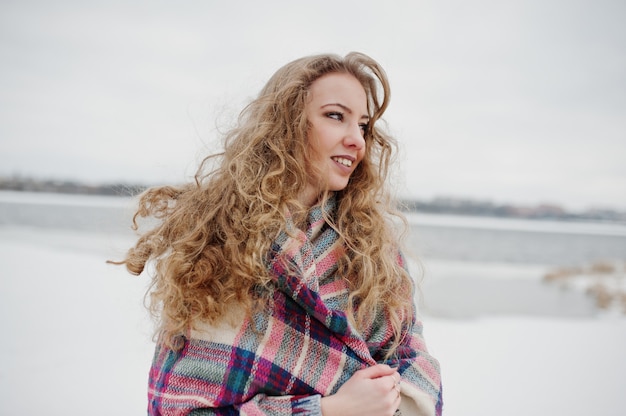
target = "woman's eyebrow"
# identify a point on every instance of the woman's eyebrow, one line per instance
(346, 109)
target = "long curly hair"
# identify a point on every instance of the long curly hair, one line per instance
(213, 235)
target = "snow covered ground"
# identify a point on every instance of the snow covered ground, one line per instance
(76, 339)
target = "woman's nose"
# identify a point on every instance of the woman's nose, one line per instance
(354, 137)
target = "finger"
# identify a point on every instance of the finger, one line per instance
(376, 371)
(394, 381)
(398, 400)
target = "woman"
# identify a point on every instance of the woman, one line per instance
(277, 279)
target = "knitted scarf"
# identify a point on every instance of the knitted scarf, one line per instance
(283, 361)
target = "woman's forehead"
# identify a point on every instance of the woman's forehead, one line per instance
(339, 88)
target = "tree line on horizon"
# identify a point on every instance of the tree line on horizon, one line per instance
(438, 205)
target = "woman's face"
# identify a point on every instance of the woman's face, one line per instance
(337, 114)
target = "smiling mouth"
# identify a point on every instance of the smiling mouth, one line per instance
(343, 161)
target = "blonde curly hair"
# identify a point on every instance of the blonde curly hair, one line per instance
(214, 234)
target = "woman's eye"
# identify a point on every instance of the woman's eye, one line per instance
(364, 127)
(335, 115)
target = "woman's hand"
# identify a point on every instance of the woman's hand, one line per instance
(373, 391)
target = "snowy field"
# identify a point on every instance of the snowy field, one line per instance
(77, 339)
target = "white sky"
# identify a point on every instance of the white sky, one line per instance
(519, 101)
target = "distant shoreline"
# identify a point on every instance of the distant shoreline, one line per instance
(439, 205)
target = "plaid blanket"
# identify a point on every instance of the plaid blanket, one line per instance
(282, 362)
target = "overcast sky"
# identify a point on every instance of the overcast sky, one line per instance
(512, 101)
